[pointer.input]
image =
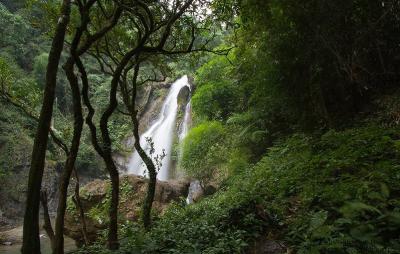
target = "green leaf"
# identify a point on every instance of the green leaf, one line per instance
(352, 209)
(385, 190)
(318, 219)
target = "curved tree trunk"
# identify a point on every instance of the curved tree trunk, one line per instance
(112, 241)
(148, 201)
(151, 187)
(70, 163)
(105, 152)
(76, 50)
(31, 241)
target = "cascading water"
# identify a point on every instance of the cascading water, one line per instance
(186, 121)
(161, 133)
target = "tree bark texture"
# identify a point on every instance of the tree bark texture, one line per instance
(31, 241)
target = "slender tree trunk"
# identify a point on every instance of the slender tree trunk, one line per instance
(104, 151)
(151, 187)
(31, 241)
(113, 243)
(46, 218)
(70, 163)
(75, 51)
(77, 201)
(148, 202)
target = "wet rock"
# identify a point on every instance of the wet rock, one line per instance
(150, 100)
(183, 96)
(73, 228)
(192, 83)
(163, 85)
(132, 192)
(197, 196)
(209, 190)
(203, 192)
(132, 216)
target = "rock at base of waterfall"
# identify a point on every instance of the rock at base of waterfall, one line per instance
(132, 192)
(201, 193)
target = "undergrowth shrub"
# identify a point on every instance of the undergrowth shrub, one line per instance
(338, 193)
(204, 151)
(335, 193)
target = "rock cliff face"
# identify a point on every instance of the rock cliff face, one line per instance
(13, 192)
(183, 97)
(94, 198)
(149, 101)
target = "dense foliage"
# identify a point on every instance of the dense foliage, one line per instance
(331, 194)
(335, 193)
(299, 69)
(297, 126)
(23, 60)
(204, 151)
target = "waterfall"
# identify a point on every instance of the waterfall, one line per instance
(186, 121)
(161, 133)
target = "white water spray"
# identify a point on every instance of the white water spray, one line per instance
(161, 133)
(186, 121)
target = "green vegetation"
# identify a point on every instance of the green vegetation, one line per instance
(295, 165)
(335, 193)
(23, 60)
(216, 96)
(204, 151)
(296, 116)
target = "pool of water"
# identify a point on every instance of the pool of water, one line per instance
(69, 245)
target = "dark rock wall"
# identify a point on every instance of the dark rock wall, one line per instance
(13, 192)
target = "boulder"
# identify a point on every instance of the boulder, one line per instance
(192, 83)
(133, 189)
(200, 193)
